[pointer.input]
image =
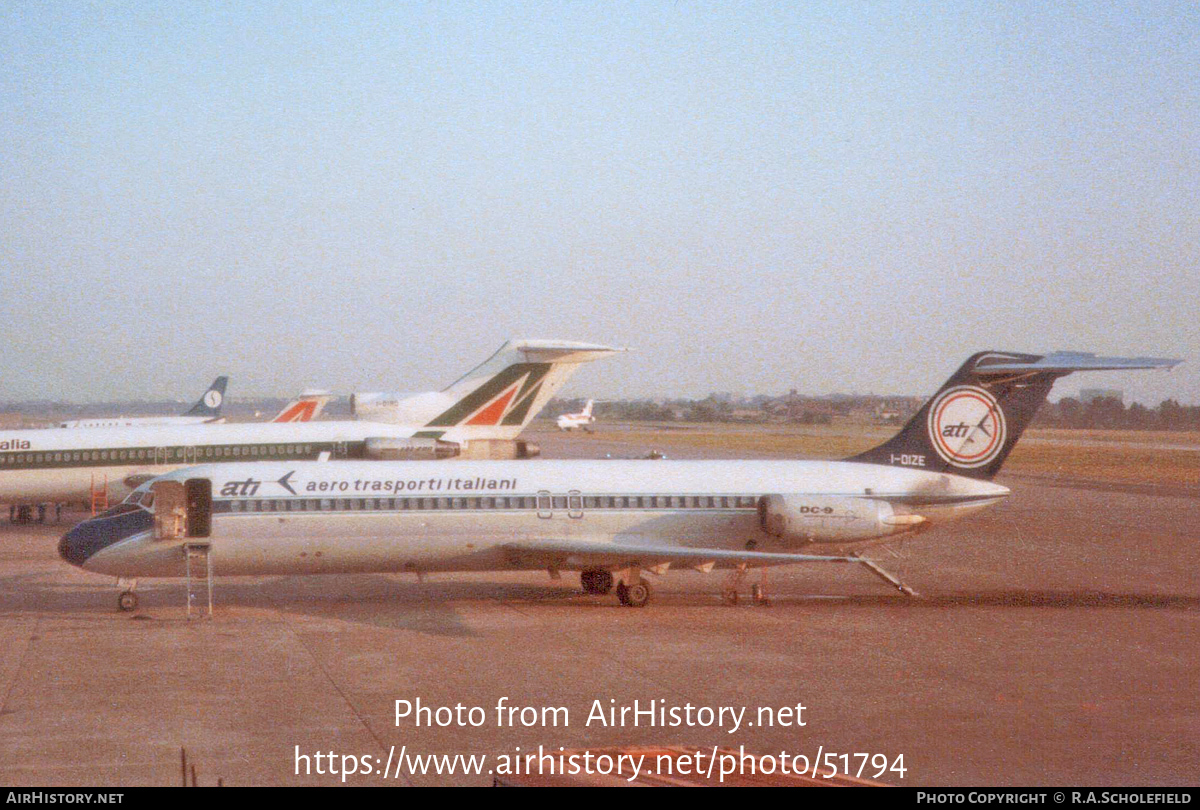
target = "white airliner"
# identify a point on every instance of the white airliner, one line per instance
(610, 520)
(523, 390)
(206, 410)
(479, 415)
(581, 420)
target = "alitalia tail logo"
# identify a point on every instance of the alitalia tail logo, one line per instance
(302, 411)
(966, 426)
(491, 413)
(505, 399)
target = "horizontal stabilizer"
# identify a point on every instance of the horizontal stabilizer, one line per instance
(1067, 362)
(550, 351)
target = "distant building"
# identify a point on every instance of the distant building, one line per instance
(1089, 395)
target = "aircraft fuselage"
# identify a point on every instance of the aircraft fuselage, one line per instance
(349, 517)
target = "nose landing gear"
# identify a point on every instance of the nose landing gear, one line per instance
(127, 600)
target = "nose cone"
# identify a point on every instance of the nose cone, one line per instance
(66, 546)
(91, 536)
(78, 543)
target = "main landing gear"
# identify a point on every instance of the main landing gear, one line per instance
(599, 581)
(635, 595)
(596, 581)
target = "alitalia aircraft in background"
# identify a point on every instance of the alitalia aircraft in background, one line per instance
(610, 520)
(304, 408)
(480, 415)
(207, 409)
(581, 420)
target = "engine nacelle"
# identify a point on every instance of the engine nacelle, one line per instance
(501, 449)
(390, 449)
(830, 519)
(398, 409)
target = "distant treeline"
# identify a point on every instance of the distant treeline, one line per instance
(1109, 413)
(1100, 413)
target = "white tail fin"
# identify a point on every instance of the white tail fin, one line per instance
(497, 398)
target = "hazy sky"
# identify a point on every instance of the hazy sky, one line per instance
(754, 196)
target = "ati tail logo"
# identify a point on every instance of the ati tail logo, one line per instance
(966, 426)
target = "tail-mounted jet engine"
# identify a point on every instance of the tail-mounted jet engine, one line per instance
(501, 449)
(424, 449)
(829, 519)
(390, 449)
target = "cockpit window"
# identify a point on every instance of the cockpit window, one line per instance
(139, 497)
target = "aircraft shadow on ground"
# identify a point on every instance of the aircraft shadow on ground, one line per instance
(1006, 598)
(429, 607)
(369, 599)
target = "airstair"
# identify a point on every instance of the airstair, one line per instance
(99, 493)
(199, 576)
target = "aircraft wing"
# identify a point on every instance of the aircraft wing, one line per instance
(585, 553)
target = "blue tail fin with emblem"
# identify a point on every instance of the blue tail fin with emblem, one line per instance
(971, 424)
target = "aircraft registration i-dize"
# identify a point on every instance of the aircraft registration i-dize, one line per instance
(481, 414)
(611, 520)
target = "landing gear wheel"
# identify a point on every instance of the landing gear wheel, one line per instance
(636, 595)
(596, 581)
(127, 601)
(729, 596)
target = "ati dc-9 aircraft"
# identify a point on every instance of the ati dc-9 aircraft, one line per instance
(610, 520)
(207, 409)
(479, 415)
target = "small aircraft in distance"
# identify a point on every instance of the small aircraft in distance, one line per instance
(207, 410)
(581, 420)
(612, 521)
